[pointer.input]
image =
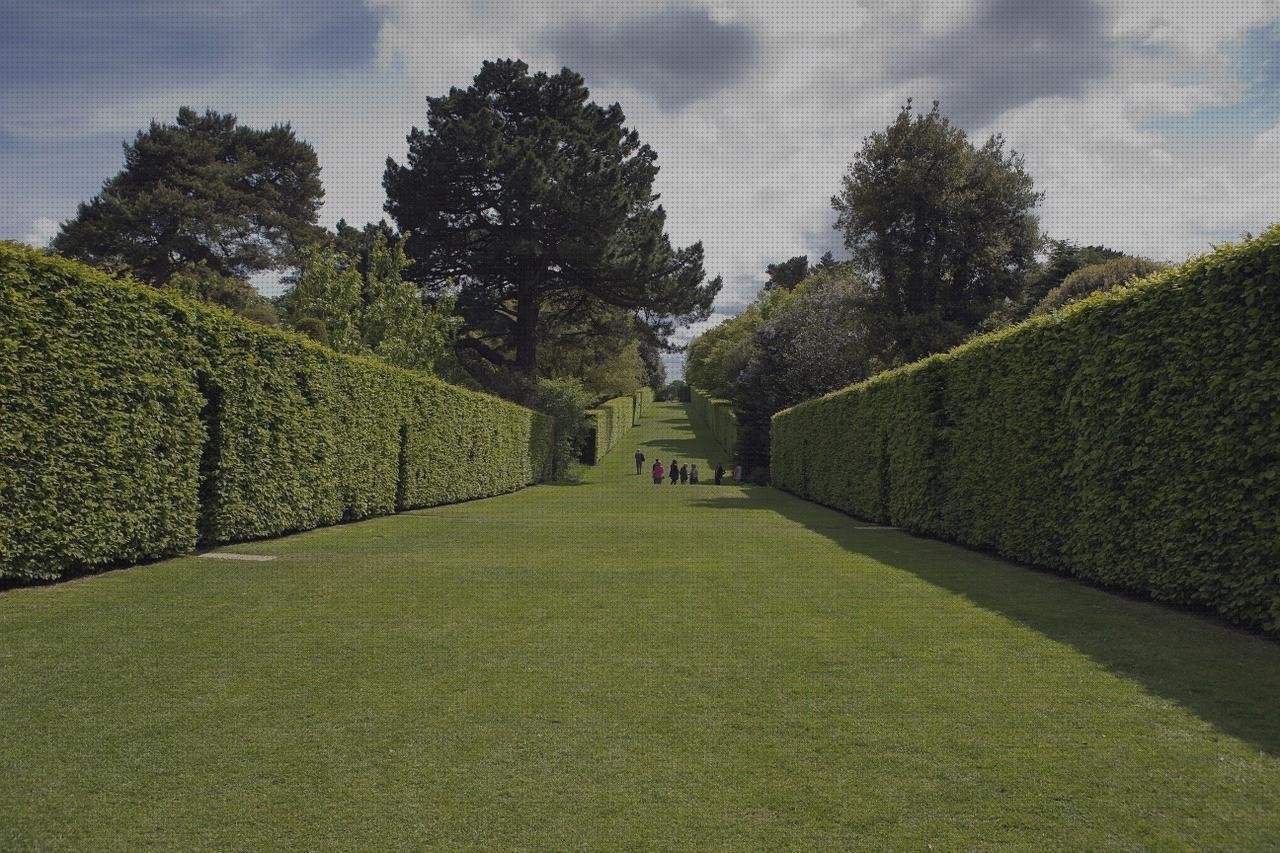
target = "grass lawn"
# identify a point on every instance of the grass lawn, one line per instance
(617, 664)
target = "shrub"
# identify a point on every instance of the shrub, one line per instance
(1096, 278)
(1132, 439)
(137, 423)
(566, 401)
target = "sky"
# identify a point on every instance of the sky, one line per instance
(1151, 126)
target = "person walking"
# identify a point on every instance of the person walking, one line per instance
(675, 472)
(657, 472)
(684, 473)
(693, 474)
(737, 473)
(719, 473)
(639, 460)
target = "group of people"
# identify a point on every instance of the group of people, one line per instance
(678, 473)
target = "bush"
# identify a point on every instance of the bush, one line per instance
(1096, 278)
(566, 401)
(719, 418)
(1132, 439)
(137, 423)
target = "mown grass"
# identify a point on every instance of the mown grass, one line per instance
(617, 664)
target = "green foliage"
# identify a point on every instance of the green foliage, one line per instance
(314, 328)
(944, 228)
(540, 204)
(1063, 259)
(202, 282)
(100, 429)
(719, 417)
(202, 191)
(824, 337)
(676, 391)
(787, 274)
(136, 424)
(365, 306)
(1096, 278)
(1130, 439)
(643, 399)
(328, 290)
(608, 367)
(717, 355)
(610, 421)
(566, 401)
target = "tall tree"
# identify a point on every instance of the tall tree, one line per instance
(538, 206)
(943, 228)
(205, 191)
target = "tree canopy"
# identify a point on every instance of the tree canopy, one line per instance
(361, 303)
(944, 229)
(205, 191)
(536, 205)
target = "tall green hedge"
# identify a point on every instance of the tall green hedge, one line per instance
(719, 418)
(610, 421)
(643, 404)
(134, 424)
(1132, 439)
(100, 429)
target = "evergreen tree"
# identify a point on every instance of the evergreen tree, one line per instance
(207, 192)
(538, 204)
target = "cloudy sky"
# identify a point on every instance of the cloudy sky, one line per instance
(1152, 126)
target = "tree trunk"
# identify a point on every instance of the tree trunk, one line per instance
(527, 329)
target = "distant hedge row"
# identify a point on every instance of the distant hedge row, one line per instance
(610, 421)
(719, 417)
(135, 424)
(643, 404)
(1132, 439)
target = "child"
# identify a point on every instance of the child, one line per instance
(684, 473)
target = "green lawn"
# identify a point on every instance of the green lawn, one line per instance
(616, 664)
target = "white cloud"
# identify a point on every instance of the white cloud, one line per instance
(749, 168)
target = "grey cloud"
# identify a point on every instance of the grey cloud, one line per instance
(678, 55)
(1009, 53)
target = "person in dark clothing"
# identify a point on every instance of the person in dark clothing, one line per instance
(639, 460)
(684, 473)
(693, 474)
(719, 473)
(657, 472)
(675, 472)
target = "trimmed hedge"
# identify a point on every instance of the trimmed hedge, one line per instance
(136, 424)
(719, 418)
(100, 429)
(643, 398)
(610, 421)
(1132, 439)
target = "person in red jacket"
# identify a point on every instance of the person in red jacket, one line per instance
(657, 472)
